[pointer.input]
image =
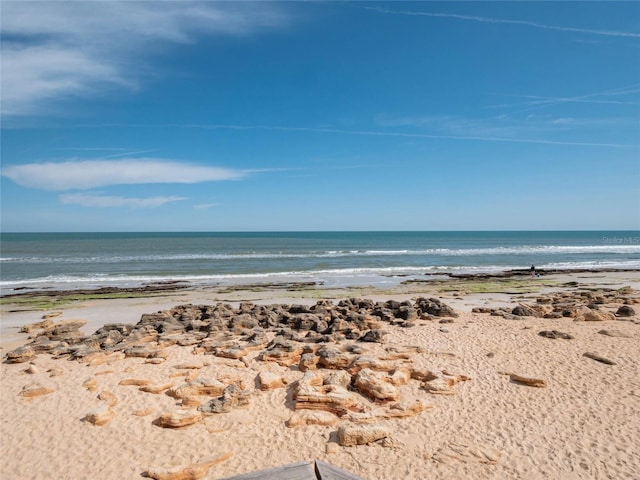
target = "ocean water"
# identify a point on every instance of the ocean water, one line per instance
(91, 260)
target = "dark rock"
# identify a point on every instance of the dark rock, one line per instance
(372, 336)
(524, 311)
(625, 311)
(435, 307)
(553, 334)
(598, 358)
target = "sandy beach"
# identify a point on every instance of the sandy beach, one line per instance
(443, 396)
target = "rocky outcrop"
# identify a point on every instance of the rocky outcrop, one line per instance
(376, 385)
(230, 332)
(594, 305)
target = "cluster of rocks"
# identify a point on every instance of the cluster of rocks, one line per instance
(341, 380)
(581, 305)
(232, 332)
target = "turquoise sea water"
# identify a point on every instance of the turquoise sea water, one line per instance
(74, 260)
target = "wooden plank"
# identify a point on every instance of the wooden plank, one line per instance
(293, 471)
(325, 471)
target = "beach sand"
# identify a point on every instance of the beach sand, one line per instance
(584, 424)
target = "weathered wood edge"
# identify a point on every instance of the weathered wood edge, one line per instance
(325, 471)
(292, 471)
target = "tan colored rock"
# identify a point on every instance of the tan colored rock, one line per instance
(529, 381)
(144, 351)
(200, 386)
(235, 352)
(90, 384)
(403, 410)
(32, 370)
(284, 353)
(337, 377)
(32, 327)
(443, 384)
(311, 417)
(332, 398)
(157, 388)
(35, 390)
(423, 374)
(376, 385)
(179, 418)
(65, 326)
(143, 412)
(372, 363)
(270, 381)
(21, 354)
(190, 366)
(191, 402)
(351, 434)
(155, 360)
(191, 472)
(400, 376)
(308, 361)
(312, 379)
(330, 356)
(55, 372)
(108, 397)
(100, 416)
(596, 316)
(232, 397)
(136, 382)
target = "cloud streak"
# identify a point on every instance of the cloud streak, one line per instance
(611, 33)
(105, 201)
(85, 175)
(372, 133)
(56, 50)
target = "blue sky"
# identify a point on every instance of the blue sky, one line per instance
(223, 116)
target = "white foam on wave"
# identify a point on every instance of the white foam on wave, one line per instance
(441, 252)
(329, 277)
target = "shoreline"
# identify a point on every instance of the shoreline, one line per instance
(115, 304)
(456, 404)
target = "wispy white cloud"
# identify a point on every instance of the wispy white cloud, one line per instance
(54, 50)
(206, 206)
(531, 128)
(88, 174)
(612, 33)
(104, 201)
